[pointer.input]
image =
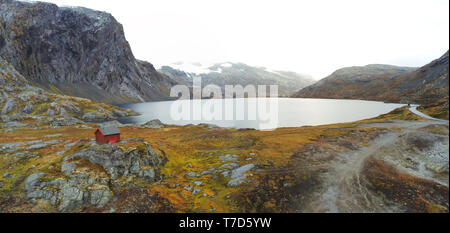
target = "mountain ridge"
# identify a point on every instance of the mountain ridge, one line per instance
(77, 51)
(237, 73)
(380, 82)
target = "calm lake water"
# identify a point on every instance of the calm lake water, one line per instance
(258, 113)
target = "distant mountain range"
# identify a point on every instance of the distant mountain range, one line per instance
(425, 85)
(229, 73)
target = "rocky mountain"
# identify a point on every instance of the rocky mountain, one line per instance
(359, 82)
(425, 85)
(76, 51)
(22, 104)
(222, 74)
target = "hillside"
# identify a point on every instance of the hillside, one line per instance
(76, 51)
(359, 82)
(23, 104)
(426, 85)
(222, 74)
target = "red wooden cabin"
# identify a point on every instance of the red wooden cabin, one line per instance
(109, 134)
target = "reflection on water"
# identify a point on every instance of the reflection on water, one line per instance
(290, 112)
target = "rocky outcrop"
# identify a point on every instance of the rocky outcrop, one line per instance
(238, 175)
(77, 51)
(20, 100)
(142, 161)
(81, 187)
(153, 124)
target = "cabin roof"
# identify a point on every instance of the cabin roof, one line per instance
(109, 130)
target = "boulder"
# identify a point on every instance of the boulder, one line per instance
(71, 198)
(228, 157)
(50, 112)
(28, 108)
(32, 180)
(153, 124)
(100, 197)
(238, 175)
(9, 106)
(118, 162)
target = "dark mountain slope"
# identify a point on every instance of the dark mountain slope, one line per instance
(367, 82)
(76, 51)
(426, 85)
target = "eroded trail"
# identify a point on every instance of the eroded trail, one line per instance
(344, 186)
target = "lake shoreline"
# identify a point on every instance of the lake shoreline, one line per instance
(288, 112)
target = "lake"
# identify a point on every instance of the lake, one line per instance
(258, 113)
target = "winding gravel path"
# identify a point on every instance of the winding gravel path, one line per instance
(418, 113)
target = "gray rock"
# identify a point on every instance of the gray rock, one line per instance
(191, 174)
(9, 106)
(226, 174)
(95, 116)
(119, 113)
(50, 195)
(229, 166)
(238, 175)
(100, 197)
(24, 155)
(63, 121)
(5, 175)
(110, 123)
(13, 124)
(118, 162)
(240, 171)
(437, 167)
(149, 174)
(50, 112)
(32, 180)
(198, 183)
(1, 184)
(44, 144)
(195, 191)
(153, 124)
(208, 172)
(71, 198)
(33, 142)
(68, 168)
(28, 108)
(228, 157)
(10, 145)
(53, 135)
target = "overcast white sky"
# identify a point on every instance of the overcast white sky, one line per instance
(314, 37)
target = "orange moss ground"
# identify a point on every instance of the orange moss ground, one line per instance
(194, 148)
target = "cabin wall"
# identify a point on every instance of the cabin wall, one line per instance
(99, 138)
(107, 139)
(112, 138)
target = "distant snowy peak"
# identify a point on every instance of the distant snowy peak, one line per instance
(236, 73)
(200, 68)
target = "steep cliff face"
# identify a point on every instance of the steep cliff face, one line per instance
(76, 51)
